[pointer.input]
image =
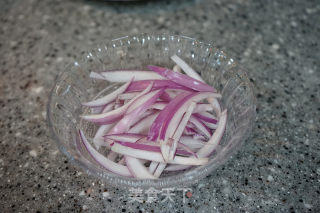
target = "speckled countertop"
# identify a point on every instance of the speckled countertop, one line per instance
(278, 169)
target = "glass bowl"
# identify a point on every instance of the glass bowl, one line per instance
(73, 86)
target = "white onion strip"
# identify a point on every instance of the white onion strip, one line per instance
(176, 68)
(191, 142)
(179, 130)
(132, 138)
(155, 156)
(98, 139)
(137, 168)
(186, 68)
(144, 124)
(126, 75)
(103, 161)
(215, 105)
(203, 108)
(108, 98)
(128, 95)
(96, 75)
(112, 156)
(200, 126)
(114, 113)
(160, 169)
(153, 166)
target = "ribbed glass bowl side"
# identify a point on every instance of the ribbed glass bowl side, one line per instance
(73, 86)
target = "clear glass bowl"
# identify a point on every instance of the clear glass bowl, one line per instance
(73, 86)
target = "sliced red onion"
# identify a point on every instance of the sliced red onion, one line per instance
(103, 161)
(141, 142)
(155, 156)
(211, 126)
(172, 122)
(143, 125)
(174, 93)
(119, 103)
(165, 150)
(107, 108)
(144, 115)
(164, 135)
(216, 106)
(180, 128)
(170, 104)
(146, 147)
(129, 137)
(159, 169)
(153, 166)
(116, 114)
(98, 139)
(128, 95)
(112, 156)
(176, 68)
(146, 100)
(172, 168)
(191, 142)
(159, 105)
(165, 97)
(137, 169)
(181, 146)
(186, 68)
(152, 147)
(207, 117)
(106, 118)
(122, 161)
(127, 75)
(200, 126)
(157, 84)
(182, 79)
(210, 146)
(194, 132)
(108, 98)
(199, 137)
(203, 108)
(96, 75)
(193, 74)
(169, 155)
(167, 111)
(190, 131)
(97, 110)
(135, 111)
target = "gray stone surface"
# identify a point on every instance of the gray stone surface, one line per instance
(278, 169)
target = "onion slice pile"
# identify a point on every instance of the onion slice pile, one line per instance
(158, 120)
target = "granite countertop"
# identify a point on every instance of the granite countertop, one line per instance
(278, 168)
